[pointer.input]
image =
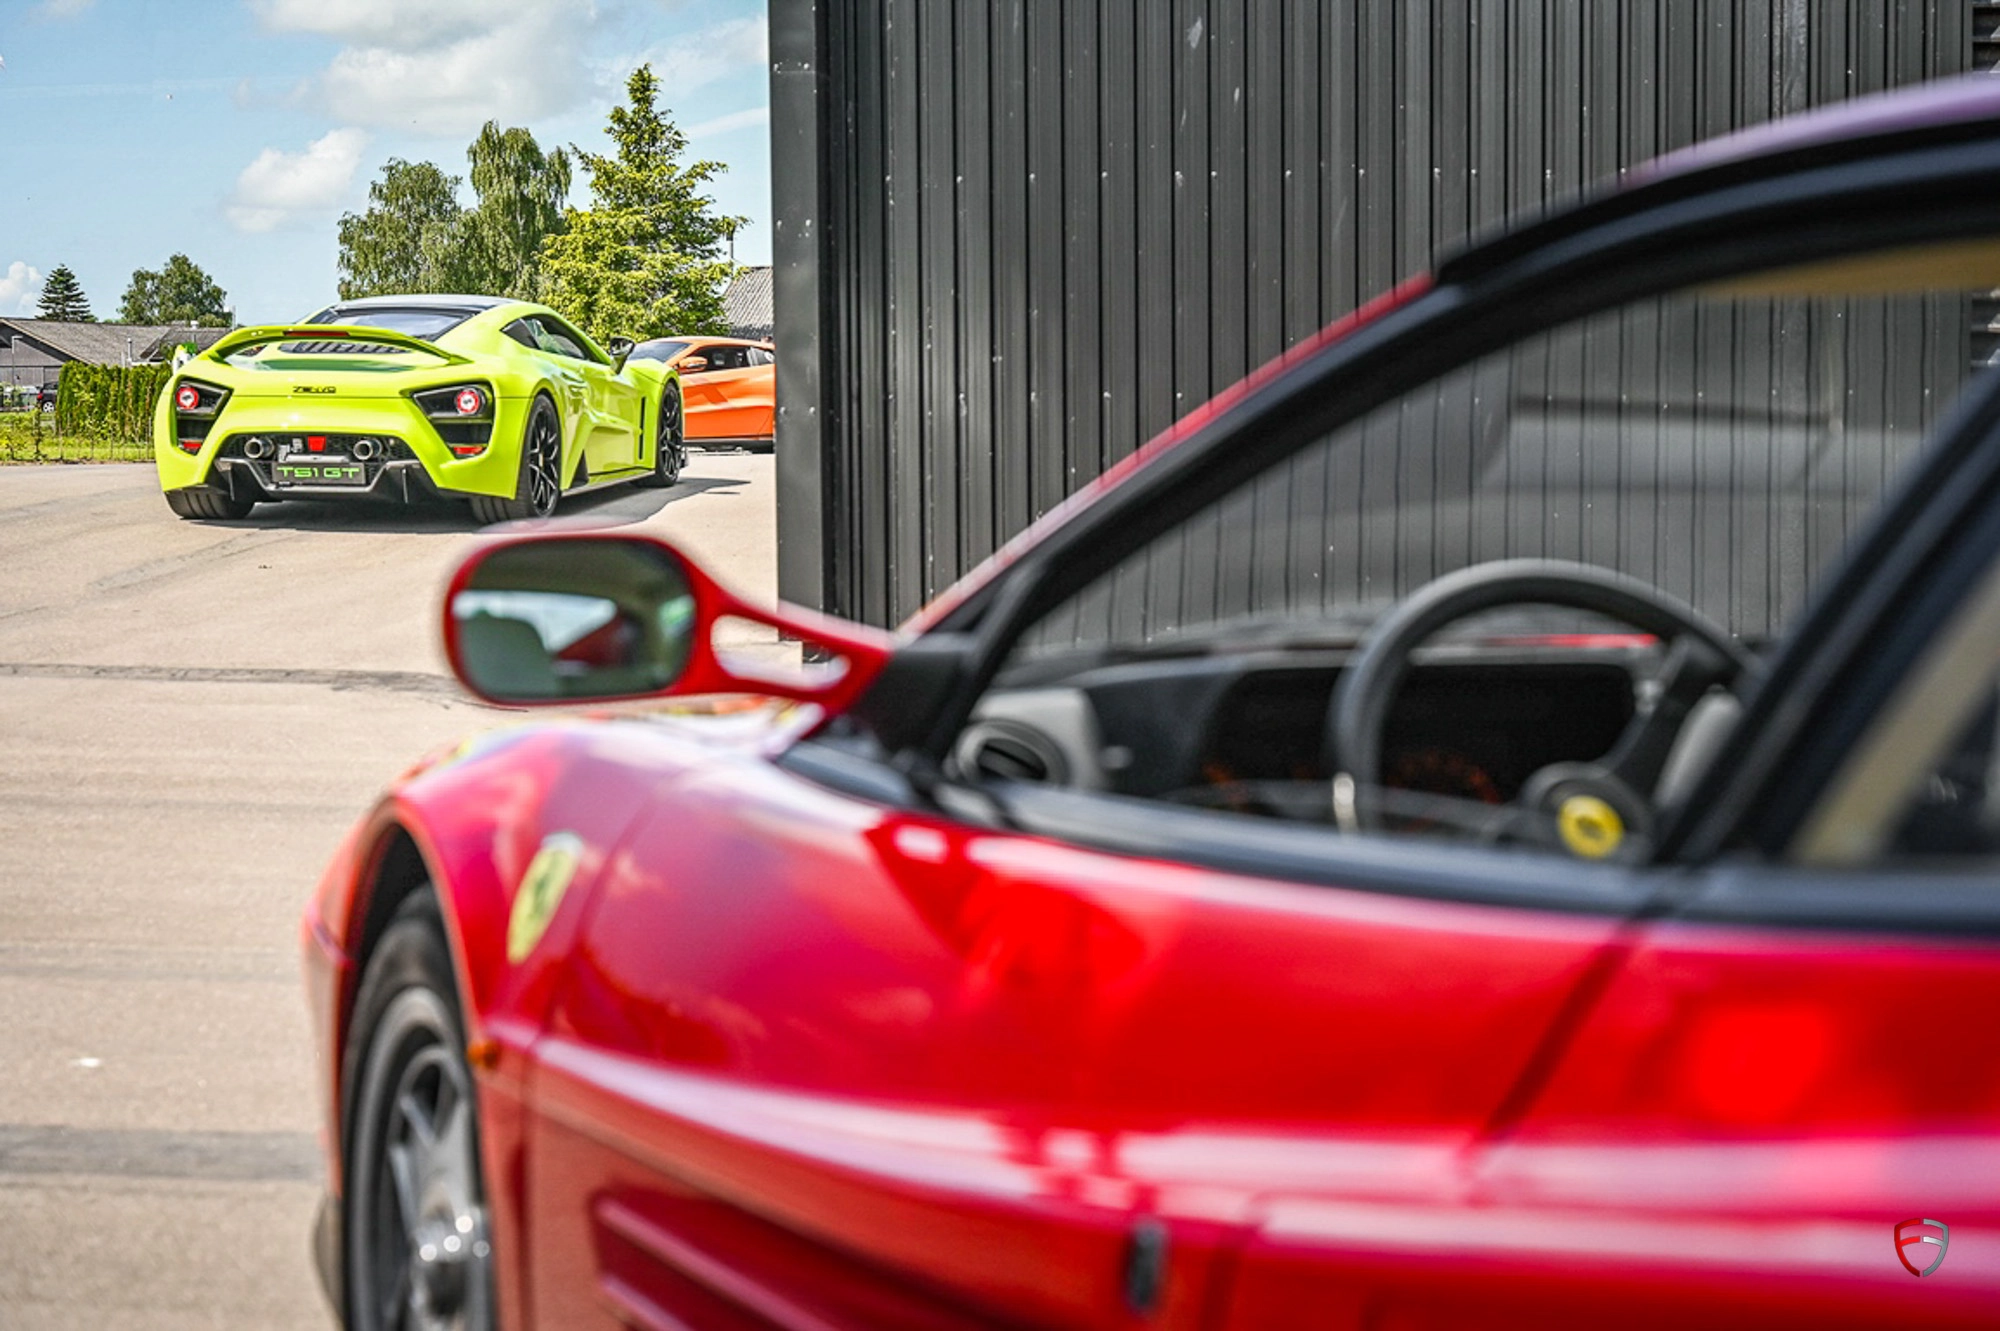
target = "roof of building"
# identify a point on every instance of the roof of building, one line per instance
(98, 344)
(747, 304)
(163, 346)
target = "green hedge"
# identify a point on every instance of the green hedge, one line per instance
(113, 401)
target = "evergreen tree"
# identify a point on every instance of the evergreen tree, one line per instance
(646, 258)
(63, 299)
(180, 292)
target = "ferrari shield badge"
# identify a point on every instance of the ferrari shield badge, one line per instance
(1912, 1241)
(541, 891)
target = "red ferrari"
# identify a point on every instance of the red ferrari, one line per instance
(1492, 822)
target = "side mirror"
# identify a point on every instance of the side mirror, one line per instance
(621, 351)
(595, 618)
(691, 364)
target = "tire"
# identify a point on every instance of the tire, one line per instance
(213, 505)
(540, 486)
(414, 1225)
(670, 448)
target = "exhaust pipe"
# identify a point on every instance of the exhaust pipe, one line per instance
(256, 448)
(365, 450)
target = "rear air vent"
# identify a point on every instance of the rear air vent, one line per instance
(1010, 751)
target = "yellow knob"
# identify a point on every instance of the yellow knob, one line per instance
(1590, 827)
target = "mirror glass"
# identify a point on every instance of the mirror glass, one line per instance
(573, 620)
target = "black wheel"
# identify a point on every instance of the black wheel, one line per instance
(541, 472)
(415, 1237)
(670, 446)
(213, 505)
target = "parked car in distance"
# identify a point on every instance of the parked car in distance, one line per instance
(1541, 876)
(730, 385)
(45, 397)
(501, 403)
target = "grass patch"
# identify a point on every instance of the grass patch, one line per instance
(29, 436)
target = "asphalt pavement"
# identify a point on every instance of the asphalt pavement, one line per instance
(191, 715)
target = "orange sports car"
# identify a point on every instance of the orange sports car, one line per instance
(729, 385)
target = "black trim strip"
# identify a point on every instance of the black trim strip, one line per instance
(1322, 857)
(1903, 900)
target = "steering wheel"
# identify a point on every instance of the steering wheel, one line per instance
(1592, 807)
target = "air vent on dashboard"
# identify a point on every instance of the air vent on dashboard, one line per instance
(995, 750)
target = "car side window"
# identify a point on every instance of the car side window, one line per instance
(1713, 450)
(559, 339)
(726, 358)
(520, 332)
(761, 356)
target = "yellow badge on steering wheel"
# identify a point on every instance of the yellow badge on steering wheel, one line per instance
(540, 892)
(1590, 827)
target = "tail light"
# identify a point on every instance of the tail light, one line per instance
(462, 414)
(196, 405)
(192, 397)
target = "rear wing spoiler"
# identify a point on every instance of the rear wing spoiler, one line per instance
(364, 340)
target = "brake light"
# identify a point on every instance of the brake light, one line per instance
(469, 402)
(190, 445)
(467, 450)
(316, 442)
(187, 397)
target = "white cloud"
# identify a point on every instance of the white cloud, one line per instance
(444, 67)
(756, 115)
(280, 187)
(59, 9)
(20, 288)
(704, 57)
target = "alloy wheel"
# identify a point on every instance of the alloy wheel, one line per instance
(544, 470)
(429, 1253)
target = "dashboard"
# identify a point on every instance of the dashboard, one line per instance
(1469, 725)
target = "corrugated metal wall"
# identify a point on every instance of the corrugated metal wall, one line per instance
(1018, 237)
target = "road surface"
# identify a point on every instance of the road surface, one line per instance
(191, 714)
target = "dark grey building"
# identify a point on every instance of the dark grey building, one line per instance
(1016, 238)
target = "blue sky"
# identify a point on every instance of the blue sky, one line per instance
(238, 131)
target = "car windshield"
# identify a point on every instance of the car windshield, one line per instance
(426, 322)
(1721, 447)
(661, 349)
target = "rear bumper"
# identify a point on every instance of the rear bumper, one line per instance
(496, 472)
(403, 481)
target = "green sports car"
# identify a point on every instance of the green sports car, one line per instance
(500, 402)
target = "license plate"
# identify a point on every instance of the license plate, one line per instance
(328, 470)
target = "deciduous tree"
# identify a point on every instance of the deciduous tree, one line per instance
(646, 258)
(416, 236)
(180, 292)
(521, 195)
(406, 239)
(63, 299)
